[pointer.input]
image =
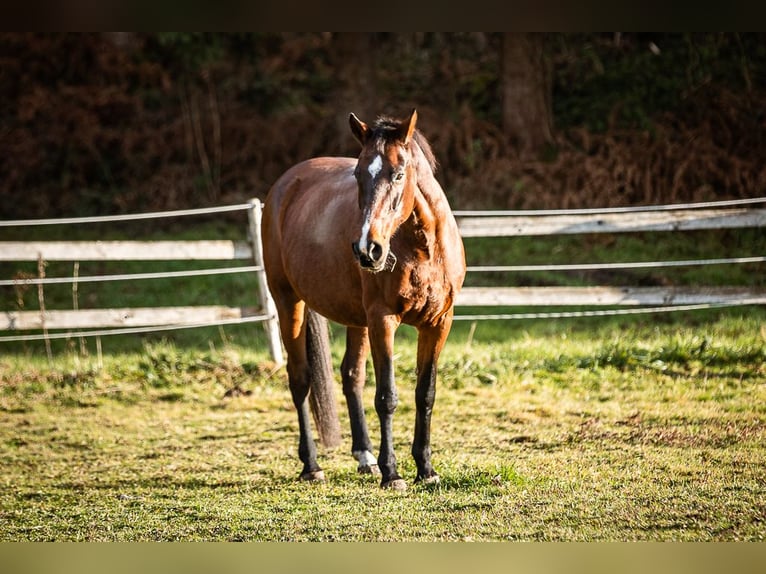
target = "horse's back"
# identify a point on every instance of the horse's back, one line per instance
(320, 175)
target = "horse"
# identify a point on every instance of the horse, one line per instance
(369, 243)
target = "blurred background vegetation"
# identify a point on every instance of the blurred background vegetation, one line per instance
(124, 122)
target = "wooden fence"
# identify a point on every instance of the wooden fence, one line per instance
(136, 320)
(716, 215)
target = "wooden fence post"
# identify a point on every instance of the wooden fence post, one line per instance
(272, 323)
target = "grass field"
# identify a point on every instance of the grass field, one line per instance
(638, 428)
(632, 433)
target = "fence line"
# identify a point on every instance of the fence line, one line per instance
(605, 312)
(125, 217)
(609, 220)
(130, 276)
(125, 317)
(161, 319)
(472, 224)
(217, 249)
(601, 266)
(136, 330)
(605, 210)
(684, 220)
(599, 295)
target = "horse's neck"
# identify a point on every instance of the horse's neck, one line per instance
(431, 210)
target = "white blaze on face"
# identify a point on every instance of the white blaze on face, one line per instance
(373, 169)
(365, 232)
(375, 166)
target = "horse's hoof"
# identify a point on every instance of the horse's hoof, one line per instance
(373, 469)
(313, 476)
(398, 484)
(429, 480)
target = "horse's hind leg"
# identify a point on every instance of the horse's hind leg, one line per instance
(353, 374)
(293, 327)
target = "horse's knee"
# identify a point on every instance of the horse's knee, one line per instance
(347, 375)
(353, 366)
(425, 390)
(299, 385)
(353, 382)
(385, 403)
(424, 399)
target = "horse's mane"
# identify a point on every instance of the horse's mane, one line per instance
(387, 129)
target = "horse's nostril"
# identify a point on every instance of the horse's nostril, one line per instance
(355, 248)
(376, 251)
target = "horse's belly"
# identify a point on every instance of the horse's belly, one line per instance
(330, 289)
(326, 275)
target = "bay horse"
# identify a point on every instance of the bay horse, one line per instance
(368, 243)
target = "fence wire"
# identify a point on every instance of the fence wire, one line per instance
(125, 217)
(606, 210)
(477, 268)
(133, 330)
(603, 266)
(605, 312)
(129, 276)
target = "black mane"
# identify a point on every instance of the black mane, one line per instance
(387, 129)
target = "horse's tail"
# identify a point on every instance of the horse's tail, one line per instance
(321, 380)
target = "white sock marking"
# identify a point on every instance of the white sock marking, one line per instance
(374, 169)
(365, 457)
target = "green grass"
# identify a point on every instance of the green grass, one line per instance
(623, 428)
(630, 434)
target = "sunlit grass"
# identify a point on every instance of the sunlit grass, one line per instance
(649, 427)
(637, 433)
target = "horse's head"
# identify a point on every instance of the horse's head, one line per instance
(386, 176)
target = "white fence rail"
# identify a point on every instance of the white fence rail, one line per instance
(140, 320)
(713, 215)
(124, 250)
(697, 216)
(686, 220)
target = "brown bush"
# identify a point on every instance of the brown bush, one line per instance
(90, 124)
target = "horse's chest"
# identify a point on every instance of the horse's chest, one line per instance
(426, 293)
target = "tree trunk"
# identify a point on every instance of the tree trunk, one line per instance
(354, 62)
(526, 92)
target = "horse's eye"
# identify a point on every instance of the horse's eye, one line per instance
(398, 177)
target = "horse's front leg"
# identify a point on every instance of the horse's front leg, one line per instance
(382, 330)
(430, 344)
(353, 374)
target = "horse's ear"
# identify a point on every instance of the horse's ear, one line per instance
(408, 127)
(358, 128)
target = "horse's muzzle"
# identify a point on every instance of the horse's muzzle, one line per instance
(374, 259)
(369, 259)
